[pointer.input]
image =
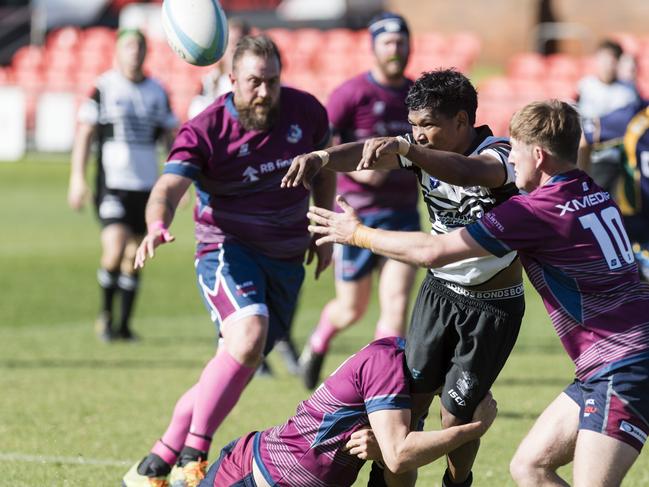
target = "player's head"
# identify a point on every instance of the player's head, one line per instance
(627, 68)
(545, 138)
(390, 44)
(130, 52)
(441, 109)
(606, 60)
(256, 67)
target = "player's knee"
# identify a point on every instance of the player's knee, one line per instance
(522, 467)
(346, 314)
(449, 419)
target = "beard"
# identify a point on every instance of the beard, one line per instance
(258, 116)
(394, 67)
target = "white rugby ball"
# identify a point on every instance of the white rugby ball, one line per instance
(197, 30)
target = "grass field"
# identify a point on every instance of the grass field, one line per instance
(76, 412)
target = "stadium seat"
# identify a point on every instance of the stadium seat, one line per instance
(528, 65)
(563, 67)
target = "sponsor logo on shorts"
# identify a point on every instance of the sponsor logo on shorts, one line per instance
(466, 383)
(634, 431)
(111, 207)
(456, 397)
(416, 374)
(246, 289)
(504, 293)
(590, 408)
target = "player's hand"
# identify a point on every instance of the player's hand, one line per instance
(302, 171)
(323, 254)
(153, 239)
(362, 444)
(335, 227)
(78, 193)
(485, 413)
(376, 147)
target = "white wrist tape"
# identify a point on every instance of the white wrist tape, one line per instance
(404, 146)
(324, 156)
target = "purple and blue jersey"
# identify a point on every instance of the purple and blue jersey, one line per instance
(307, 450)
(359, 109)
(237, 174)
(571, 241)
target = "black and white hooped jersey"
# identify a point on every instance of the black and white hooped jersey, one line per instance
(129, 117)
(452, 207)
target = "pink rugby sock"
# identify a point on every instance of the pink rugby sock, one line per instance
(323, 334)
(218, 390)
(173, 440)
(385, 332)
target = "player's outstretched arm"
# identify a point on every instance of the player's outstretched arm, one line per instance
(78, 188)
(160, 209)
(417, 248)
(339, 158)
(457, 169)
(324, 189)
(404, 450)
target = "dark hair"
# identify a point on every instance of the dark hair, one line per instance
(260, 45)
(552, 124)
(446, 91)
(241, 24)
(612, 46)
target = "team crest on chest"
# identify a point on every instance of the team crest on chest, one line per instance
(244, 150)
(294, 134)
(379, 107)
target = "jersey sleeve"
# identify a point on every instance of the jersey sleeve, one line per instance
(340, 111)
(89, 109)
(383, 383)
(322, 132)
(501, 151)
(188, 154)
(512, 225)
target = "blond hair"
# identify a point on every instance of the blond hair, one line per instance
(553, 124)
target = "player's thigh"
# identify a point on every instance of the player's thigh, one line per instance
(352, 299)
(395, 284)
(231, 284)
(600, 460)
(487, 332)
(283, 283)
(551, 441)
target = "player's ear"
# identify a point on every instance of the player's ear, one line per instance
(461, 119)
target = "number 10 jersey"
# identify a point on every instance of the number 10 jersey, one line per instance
(572, 243)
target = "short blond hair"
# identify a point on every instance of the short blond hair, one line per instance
(552, 124)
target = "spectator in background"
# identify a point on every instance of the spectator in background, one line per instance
(627, 69)
(603, 92)
(368, 105)
(217, 81)
(127, 112)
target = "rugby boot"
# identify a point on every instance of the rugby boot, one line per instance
(152, 471)
(310, 367)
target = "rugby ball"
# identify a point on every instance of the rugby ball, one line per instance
(197, 30)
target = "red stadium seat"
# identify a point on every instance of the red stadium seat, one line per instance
(466, 43)
(563, 67)
(28, 57)
(66, 38)
(526, 65)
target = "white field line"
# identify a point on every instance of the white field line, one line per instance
(19, 457)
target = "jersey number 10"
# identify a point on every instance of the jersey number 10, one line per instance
(611, 218)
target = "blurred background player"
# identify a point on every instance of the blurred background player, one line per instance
(252, 237)
(370, 389)
(368, 105)
(468, 314)
(603, 92)
(625, 132)
(217, 81)
(128, 112)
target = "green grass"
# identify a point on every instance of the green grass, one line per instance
(66, 396)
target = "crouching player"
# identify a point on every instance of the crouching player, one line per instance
(311, 449)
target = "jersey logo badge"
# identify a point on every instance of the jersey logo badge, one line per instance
(250, 175)
(432, 182)
(244, 150)
(294, 134)
(378, 108)
(584, 186)
(466, 383)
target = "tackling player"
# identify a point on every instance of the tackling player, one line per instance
(467, 315)
(369, 105)
(252, 237)
(573, 246)
(370, 389)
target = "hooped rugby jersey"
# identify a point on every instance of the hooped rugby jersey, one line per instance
(237, 174)
(452, 207)
(129, 117)
(362, 108)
